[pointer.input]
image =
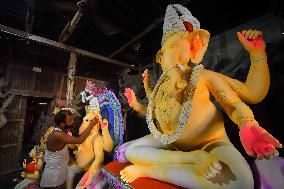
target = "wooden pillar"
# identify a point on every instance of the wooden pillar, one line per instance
(71, 78)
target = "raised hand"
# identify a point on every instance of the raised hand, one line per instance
(131, 97)
(258, 143)
(146, 78)
(252, 40)
(104, 124)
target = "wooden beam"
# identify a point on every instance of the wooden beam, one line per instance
(68, 48)
(70, 27)
(30, 17)
(20, 92)
(71, 78)
(139, 36)
(60, 90)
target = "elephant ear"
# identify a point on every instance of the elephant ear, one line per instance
(199, 40)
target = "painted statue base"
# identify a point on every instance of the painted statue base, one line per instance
(111, 174)
(98, 182)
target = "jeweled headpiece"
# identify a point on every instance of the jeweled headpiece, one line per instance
(178, 19)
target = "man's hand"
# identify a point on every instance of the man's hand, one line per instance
(94, 122)
(252, 40)
(258, 143)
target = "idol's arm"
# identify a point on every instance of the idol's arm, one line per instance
(256, 141)
(133, 103)
(107, 140)
(147, 85)
(257, 83)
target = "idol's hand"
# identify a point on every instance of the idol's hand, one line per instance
(131, 97)
(104, 124)
(252, 40)
(146, 77)
(258, 143)
(208, 165)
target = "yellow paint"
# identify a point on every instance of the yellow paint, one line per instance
(205, 123)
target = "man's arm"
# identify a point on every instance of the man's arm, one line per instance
(64, 138)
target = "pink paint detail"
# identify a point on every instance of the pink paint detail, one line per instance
(104, 124)
(69, 133)
(34, 185)
(121, 153)
(257, 141)
(129, 95)
(188, 26)
(254, 43)
(84, 179)
(93, 89)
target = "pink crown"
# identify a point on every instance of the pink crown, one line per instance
(93, 89)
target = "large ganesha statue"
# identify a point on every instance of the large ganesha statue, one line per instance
(188, 145)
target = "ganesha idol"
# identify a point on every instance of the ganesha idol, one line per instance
(107, 134)
(31, 171)
(188, 145)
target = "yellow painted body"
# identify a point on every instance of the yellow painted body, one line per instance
(90, 154)
(31, 177)
(204, 139)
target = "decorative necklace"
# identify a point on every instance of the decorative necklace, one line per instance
(186, 107)
(166, 104)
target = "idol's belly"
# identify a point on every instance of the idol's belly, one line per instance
(205, 124)
(85, 157)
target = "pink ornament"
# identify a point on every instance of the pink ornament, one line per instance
(93, 89)
(69, 133)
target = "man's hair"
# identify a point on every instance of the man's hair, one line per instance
(61, 116)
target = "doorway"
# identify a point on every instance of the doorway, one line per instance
(38, 109)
